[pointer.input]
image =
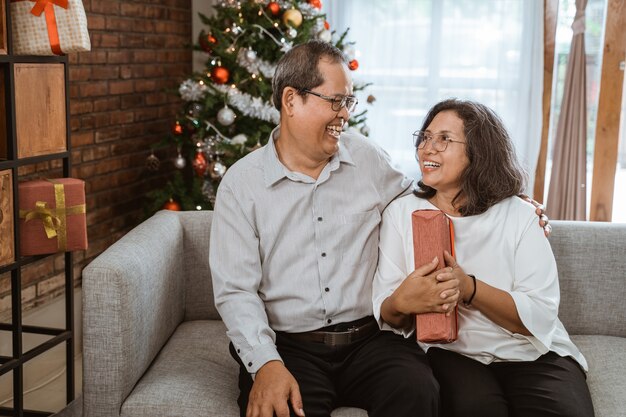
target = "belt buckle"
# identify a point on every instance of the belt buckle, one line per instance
(341, 338)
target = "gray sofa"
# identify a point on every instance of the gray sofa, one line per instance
(154, 344)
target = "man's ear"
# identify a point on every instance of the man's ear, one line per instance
(289, 97)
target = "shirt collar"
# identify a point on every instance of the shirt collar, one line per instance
(274, 170)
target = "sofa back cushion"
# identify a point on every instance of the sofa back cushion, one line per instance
(199, 302)
(591, 260)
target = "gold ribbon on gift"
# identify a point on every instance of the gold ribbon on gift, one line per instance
(54, 219)
(47, 7)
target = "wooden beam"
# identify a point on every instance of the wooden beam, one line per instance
(609, 109)
(550, 11)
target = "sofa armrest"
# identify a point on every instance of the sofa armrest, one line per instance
(133, 300)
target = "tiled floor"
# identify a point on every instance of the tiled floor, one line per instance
(44, 376)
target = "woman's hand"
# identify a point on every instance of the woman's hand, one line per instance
(425, 290)
(466, 284)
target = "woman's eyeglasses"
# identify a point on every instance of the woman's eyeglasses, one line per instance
(439, 141)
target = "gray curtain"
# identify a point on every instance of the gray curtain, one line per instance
(568, 188)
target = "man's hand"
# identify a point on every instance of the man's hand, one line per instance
(273, 387)
(540, 210)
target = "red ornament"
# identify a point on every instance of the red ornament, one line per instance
(171, 205)
(220, 75)
(316, 3)
(199, 163)
(274, 8)
(353, 65)
(177, 129)
(206, 41)
(326, 25)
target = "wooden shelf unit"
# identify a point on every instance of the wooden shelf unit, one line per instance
(22, 112)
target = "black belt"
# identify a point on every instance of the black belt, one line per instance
(336, 336)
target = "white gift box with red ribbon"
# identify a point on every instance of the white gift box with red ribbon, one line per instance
(49, 27)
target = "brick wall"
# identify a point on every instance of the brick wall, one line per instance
(120, 104)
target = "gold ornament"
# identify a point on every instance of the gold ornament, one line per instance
(292, 17)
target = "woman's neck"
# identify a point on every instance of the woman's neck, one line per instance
(443, 201)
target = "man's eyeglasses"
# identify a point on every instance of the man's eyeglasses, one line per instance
(439, 141)
(337, 102)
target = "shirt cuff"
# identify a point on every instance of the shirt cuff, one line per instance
(259, 356)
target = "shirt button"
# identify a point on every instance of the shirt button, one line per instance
(323, 254)
(329, 321)
(249, 363)
(238, 350)
(326, 289)
(319, 219)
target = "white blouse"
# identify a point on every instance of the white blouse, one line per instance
(504, 247)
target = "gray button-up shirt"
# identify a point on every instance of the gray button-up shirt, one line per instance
(291, 253)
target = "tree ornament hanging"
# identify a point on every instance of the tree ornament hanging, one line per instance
(273, 8)
(180, 162)
(226, 116)
(292, 33)
(292, 17)
(353, 65)
(199, 163)
(172, 205)
(251, 55)
(177, 129)
(316, 3)
(325, 35)
(152, 162)
(217, 169)
(370, 99)
(207, 42)
(220, 75)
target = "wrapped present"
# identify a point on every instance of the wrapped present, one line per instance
(433, 233)
(49, 27)
(52, 216)
(7, 253)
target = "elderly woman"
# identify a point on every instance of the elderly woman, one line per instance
(512, 356)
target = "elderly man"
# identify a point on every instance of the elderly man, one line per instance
(293, 254)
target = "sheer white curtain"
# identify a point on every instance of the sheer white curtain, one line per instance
(418, 52)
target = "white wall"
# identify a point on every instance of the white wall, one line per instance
(205, 7)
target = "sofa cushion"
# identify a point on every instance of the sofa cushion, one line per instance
(194, 375)
(606, 356)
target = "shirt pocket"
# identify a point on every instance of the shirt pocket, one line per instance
(356, 237)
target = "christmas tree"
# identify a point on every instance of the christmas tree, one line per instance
(227, 109)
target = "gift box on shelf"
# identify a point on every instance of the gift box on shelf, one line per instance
(49, 27)
(40, 109)
(52, 216)
(433, 233)
(7, 251)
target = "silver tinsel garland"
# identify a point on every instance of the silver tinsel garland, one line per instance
(191, 90)
(255, 66)
(248, 105)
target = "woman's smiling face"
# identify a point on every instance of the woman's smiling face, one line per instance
(442, 170)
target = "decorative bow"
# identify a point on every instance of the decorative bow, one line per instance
(51, 222)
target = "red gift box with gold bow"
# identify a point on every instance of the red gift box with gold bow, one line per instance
(49, 27)
(52, 216)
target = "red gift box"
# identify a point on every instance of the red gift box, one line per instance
(52, 216)
(432, 234)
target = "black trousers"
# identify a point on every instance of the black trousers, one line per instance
(384, 374)
(549, 386)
